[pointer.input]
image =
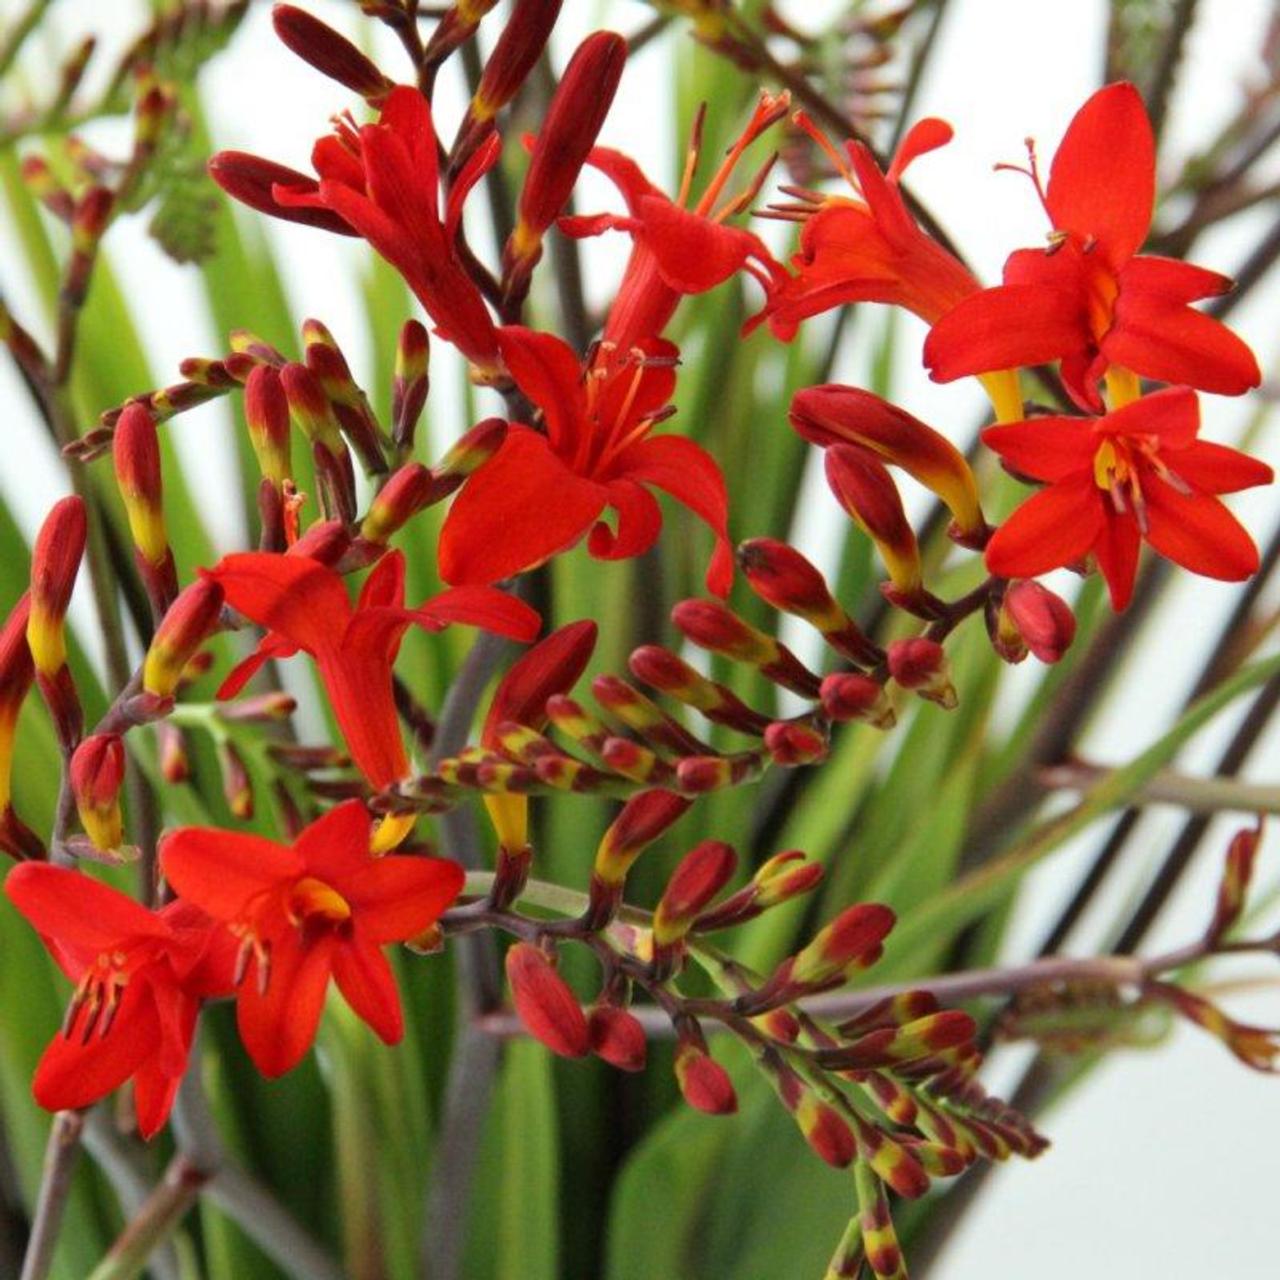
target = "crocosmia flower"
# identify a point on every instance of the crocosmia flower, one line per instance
(304, 606)
(139, 979)
(321, 908)
(1137, 474)
(541, 493)
(381, 181)
(1088, 300)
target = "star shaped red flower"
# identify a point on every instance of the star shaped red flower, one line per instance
(1089, 300)
(140, 978)
(303, 604)
(541, 493)
(323, 907)
(1137, 474)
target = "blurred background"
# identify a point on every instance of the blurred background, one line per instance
(1164, 1160)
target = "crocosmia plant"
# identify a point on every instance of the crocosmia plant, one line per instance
(533, 772)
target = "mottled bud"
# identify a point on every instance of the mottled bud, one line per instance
(715, 627)
(189, 622)
(865, 489)
(17, 672)
(266, 413)
(921, 664)
(792, 742)
(851, 696)
(55, 561)
(409, 389)
(408, 491)
(136, 453)
(96, 776)
(643, 819)
(701, 874)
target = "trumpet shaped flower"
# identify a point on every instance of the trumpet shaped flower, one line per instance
(381, 182)
(542, 493)
(1090, 300)
(323, 907)
(1112, 482)
(304, 606)
(139, 976)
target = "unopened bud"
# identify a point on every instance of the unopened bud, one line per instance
(785, 876)
(792, 742)
(1041, 618)
(704, 1083)
(188, 623)
(266, 413)
(921, 664)
(17, 672)
(330, 53)
(665, 671)
(853, 940)
(136, 453)
(577, 111)
(701, 874)
(96, 776)
(514, 56)
(251, 180)
(408, 491)
(1234, 885)
(473, 449)
(865, 489)
(852, 696)
(55, 561)
(545, 1003)
(715, 627)
(237, 786)
(617, 1037)
(643, 819)
(784, 578)
(175, 764)
(409, 389)
(347, 399)
(311, 411)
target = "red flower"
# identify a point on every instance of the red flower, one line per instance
(382, 181)
(677, 250)
(1088, 300)
(541, 493)
(870, 248)
(140, 977)
(320, 908)
(304, 606)
(1112, 481)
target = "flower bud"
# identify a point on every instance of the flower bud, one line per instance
(136, 453)
(237, 786)
(701, 874)
(1041, 618)
(330, 53)
(311, 411)
(921, 664)
(17, 672)
(266, 413)
(96, 776)
(472, 450)
(409, 389)
(665, 671)
(1234, 885)
(617, 1037)
(251, 180)
(715, 627)
(175, 764)
(782, 577)
(704, 1083)
(642, 820)
(852, 696)
(410, 489)
(189, 622)
(833, 414)
(865, 489)
(792, 742)
(822, 1126)
(577, 111)
(347, 400)
(851, 941)
(545, 1003)
(55, 561)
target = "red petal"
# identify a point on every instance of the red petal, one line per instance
(1116, 551)
(519, 509)
(223, 871)
(396, 896)
(72, 1074)
(1102, 182)
(278, 1028)
(1044, 448)
(1178, 344)
(365, 979)
(261, 184)
(1011, 326)
(384, 587)
(693, 253)
(1172, 279)
(153, 1093)
(272, 645)
(550, 374)
(408, 115)
(335, 847)
(1172, 415)
(484, 607)
(1199, 533)
(358, 682)
(923, 136)
(639, 523)
(301, 599)
(1052, 528)
(1214, 468)
(77, 910)
(692, 477)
